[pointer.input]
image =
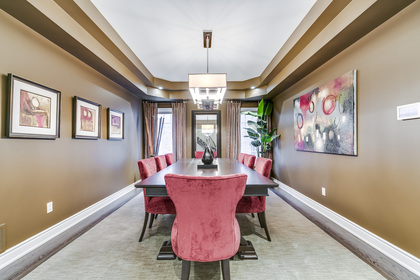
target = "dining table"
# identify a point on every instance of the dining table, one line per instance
(256, 185)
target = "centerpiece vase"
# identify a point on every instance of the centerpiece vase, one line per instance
(208, 155)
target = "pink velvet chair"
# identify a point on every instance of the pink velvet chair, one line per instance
(205, 228)
(249, 161)
(153, 205)
(241, 157)
(199, 154)
(256, 204)
(170, 159)
(160, 162)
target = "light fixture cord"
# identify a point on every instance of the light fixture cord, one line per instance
(207, 46)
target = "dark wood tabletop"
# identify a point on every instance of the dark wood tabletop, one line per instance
(256, 184)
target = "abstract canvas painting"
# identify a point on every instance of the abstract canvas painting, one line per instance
(34, 110)
(325, 117)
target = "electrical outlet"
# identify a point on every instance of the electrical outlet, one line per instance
(49, 207)
(323, 192)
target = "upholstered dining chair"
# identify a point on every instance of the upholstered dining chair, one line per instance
(205, 228)
(241, 157)
(170, 159)
(199, 154)
(249, 161)
(160, 162)
(256, 204)
(152, 205)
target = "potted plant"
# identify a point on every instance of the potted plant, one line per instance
(258, 131)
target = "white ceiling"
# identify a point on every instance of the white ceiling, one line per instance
(167, 35)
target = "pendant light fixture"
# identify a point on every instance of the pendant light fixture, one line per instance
(207, 90)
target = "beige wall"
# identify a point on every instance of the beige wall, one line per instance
(380, 188)
(72, 173)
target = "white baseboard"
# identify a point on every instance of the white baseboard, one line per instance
(399, 257)
(22, 256)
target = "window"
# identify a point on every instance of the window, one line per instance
(246, 146)
(206, 131)
(166, 138)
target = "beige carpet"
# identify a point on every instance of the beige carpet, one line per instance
(299, 250)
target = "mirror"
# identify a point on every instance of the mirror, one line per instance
(206, 130)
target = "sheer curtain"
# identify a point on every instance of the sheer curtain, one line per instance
(179, 129)
(233, 128)
(150, 111)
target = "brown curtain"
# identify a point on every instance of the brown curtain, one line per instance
(233, 129)
(150, 111)
(179, 129)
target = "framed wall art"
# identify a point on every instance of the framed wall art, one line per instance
(34, 110)
(115, 125)
(86, 119)
(325, 119)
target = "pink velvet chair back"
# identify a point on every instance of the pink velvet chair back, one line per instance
(170, 159)
(205, 228)
(160, 162)
(241, 157)
(147, 167)
(199, 154)
(263, 166)
(249, 160)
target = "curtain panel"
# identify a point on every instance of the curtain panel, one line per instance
(150, 111)
(179, 129)
(233, 128)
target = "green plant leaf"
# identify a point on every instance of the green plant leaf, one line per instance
(249, 113)
(262, 131)
(250, 130)
(274, 137)
(253, 125)
(256, 143)
(260, 110)
(268, 108)
(272, 132)
(262, 123)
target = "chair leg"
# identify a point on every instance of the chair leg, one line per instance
(151, 220)
(156, 216)
(263, 221)
(186, 266)
(146, 217)
(259, 220)
(225, 269)
(252, 214)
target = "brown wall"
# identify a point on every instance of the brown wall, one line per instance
(72, 173)
(380, 188)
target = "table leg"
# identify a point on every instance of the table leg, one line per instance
(246, 250)
(166, 252)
